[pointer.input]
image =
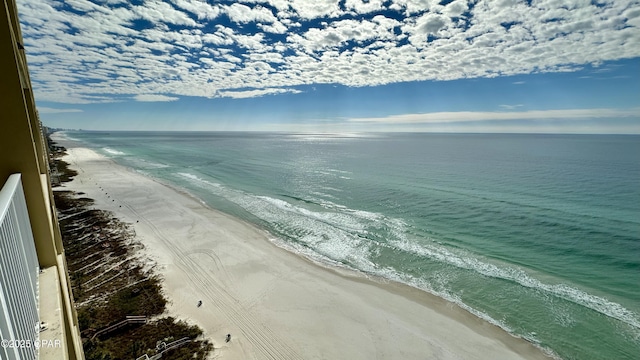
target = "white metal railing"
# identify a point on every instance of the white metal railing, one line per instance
(19, 321)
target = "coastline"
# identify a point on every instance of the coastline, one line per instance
(277, 304)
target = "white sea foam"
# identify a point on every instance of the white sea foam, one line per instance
(153, 165)
(338, 219)
(200, 180)
(331, 239)
(112, 151)
(329, 188)
(321, 195)
(334, 173)
(335, 237)
(340, 171)
(332, 234)
(392, 274)
(562, 315)
(67, 137)
(368, 215)
(322, 172)
(190, 176)
(563, 291)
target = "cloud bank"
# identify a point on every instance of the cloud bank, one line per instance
(472, 116)
(82, 51)
(48, 110)
(154, 98)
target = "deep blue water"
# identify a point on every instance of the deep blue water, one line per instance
(539, 234)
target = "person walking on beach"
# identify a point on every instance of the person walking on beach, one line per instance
(228, 337)
(199, 303)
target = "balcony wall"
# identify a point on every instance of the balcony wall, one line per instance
(19, 269)
(22, 150)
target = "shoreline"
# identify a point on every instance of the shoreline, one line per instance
(282, 308)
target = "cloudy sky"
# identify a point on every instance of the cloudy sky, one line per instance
(336, 65)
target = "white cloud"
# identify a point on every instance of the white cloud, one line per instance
(255, 93)
(316, 9)
(83, 5)
(510, 107)
(185, 50)
(363, 7)
(155, 11)
(243, 14)
(199, 8)
(456, 8)
(154, 98)
(277, 27)
(470, 116)
(431, 24)
(340, 32)
(278, 4)
(48, 110)
(414, 6)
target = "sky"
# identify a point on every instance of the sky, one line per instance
(506, 66)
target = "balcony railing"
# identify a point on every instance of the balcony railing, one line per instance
(19, 321)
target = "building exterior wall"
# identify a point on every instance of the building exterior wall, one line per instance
(23, 151)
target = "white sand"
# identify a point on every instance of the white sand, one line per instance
(275, 304)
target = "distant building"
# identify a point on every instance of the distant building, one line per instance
(34, 283)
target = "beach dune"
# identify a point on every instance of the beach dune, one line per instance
(276, 304)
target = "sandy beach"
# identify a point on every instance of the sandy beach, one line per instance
(275, 304)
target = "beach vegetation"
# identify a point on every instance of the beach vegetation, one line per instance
(113, 282)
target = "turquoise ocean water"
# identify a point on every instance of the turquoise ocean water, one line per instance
(539, 234)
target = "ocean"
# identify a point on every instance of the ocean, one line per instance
(538, 234)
